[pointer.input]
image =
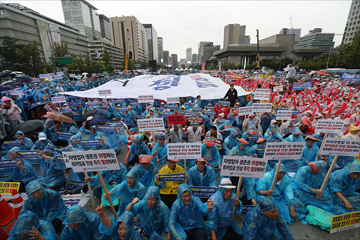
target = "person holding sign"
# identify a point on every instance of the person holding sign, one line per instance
(271, 135)
(265, 222)
(343, 185)
(147, 169)
(112, 139)
(136, 149)
(51, 133)
(296, 136)
(201, 174)
(283, 194)
(210, 152)
(42, 142)
(307, 183)
(27, 142)
(231, 141)
(160, 154)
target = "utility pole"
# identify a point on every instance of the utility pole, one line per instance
(258, 51)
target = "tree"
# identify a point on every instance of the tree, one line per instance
(107, 61)
(350, 52)
(226, 65)
(60, 50)
(8, 53)
(29, 55)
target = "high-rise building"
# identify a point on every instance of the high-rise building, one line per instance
(130, 35)
(317, 39)
(105, 26)
(97, 49)
(152, 41)
(234, 34)
(194, 59)
(352, 22)
(166, 57)
(296, 31)
(247, 40)
(171, 61)
(175, 60)
(206, 51)
(82, 15)
(182, 62)
(188, 54)
(160, 49)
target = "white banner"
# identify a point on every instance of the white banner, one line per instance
(278, 89)
(341, 147)
(283, 115)
(262, 94)
(59, 73)
(243, 167)
(86, 161)
(72, 75)
(184, 150)
(245, 111)
(150, 124)
(284, 150)
(172, 100)
(106, 92)
(145, 98)
(262, 107)
(329, 126)
(16, 92)
(43, 76)
(58, 99)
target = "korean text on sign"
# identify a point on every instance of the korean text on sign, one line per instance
(175, 177)
(245, 111)
(243, 167)
(184, 150)
(202, 192)
(262, 94)
(8, 163)
(104, 92)
(329, 126)
(90, 143)
(7, 187)
(262, 107)
(341, 147)
(145, 99)
(283, 115)
(284, 150)
(345, 222)
(152, 124)
(99, 160)
(176, 119)
(172, 100)
(58, 99)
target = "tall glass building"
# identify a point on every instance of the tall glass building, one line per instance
(352, 23)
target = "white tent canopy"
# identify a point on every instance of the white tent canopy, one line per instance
(162, 87)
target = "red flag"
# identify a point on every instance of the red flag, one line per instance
(308, 107)
(318, 104)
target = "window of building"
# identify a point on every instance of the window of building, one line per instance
(346, 39)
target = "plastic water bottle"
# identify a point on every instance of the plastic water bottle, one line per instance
(82, 193)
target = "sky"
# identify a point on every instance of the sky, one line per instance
(184, 24)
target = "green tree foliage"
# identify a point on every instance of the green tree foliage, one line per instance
(107, 61)
(350, 53)
(60, 50)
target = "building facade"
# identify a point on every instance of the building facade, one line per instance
(317, 39)
(105, 27)
(234, 34)
(296, 31)
(160, 49)
(175, 60)
(152, 41)
(194, 59)
(206, 51)
(352, 22)
(166, 57)
(188, 54)
(97, 48)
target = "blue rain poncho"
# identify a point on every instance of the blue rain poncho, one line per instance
(195, 179)
(246, 135)
(54, 175)
(27, 141)
(147, 175)
(112, 139)
(74, 131)
(94, 135)
(221, 218)
(340, 181)
(226, 132)
(41, 145)
(231, 141)
(248, 184)
(138, 148)
(89, 228)
(76, 147)
(274, 136)
(118, 176)
(50, 132)
(128, 193)
(49, 207)
(295, 138)
(283, 194)
(303, 181)
(162, 153)
(214, 159)
(306, 157)
(257, 226)
(155, 219)
(237, 151)
(27, 221)
(341, 163)
(183, 217)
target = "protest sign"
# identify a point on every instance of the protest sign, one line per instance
(104, 92)
(224, 103)
(195, 121)
(253, 138)
(59, 73)
(189, 104)
(283, 115)
(79, 83)
(278, 88)
(165, 114)
(341, 147)
(43, 76)
(151, 124)
(217, 142)
(308, 85)
(16, 92)
(7, 187)
(345, 222)
(90, 143)
(329, 126)
(107, 129)
(10, 144)
(176, 120)
(75, 184)
(92, 104)
(66, 110)
(172, 100)
(170, 107)
(184, 150)
(295, 112)
(64, 135)
(219, 122)
(122, 109)
(101, 111)
(145, 98)
(99, 160)
(298, 86)
(197, 110)
(189, 114)
(262, 107)
(8, 163)
(243, 167)
(284, 150)
(28, 154)
(209, 113)
(58, 99)
(140, 117)
(72, 75)
(262, 94)
(75, 199)
(175, 177)
(245, 111)
(350, 77)
(202, 192)
(60, 159)
(69, 202)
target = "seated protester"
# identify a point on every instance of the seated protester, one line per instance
(168, 189)
(160, 155)
(230, 141)
(272, 135)
(27, 142)
(265, 222)
(296, 136)
(122, 228)
(252, 120)
(207, 123)
(152, 213)
(341, 163)
(225, 129)
(213, 133)
(42, 142)
(251, 135)
(28, 226)
(265, 121)
(175, 133)
(240, 149)
(46, 203)
(80, 224)
(307, 127)
(307, 182)
(224, 200)
(137, 148)
(127, 190)
(147, 170)
(74, 144)
(186, 220)
(247, 193)
(194, 133)
(283, 194)
(353, 133)
(91, 133)
(259, 148)
(288, 128)
(112, 139)
(51, 133)
(344, 184)
(201, 174)
(210, 152)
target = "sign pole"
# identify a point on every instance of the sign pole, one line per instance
(106, 191)
(259, 124)
(282, 124)
(157, 158)
(185, 165)
(275, 175)
(328, 173)
(91, 193)
(322, 145)
(236, 197)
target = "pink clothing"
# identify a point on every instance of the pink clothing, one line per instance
(12, 113)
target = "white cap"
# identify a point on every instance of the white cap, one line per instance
(42, 138)
(226, 183)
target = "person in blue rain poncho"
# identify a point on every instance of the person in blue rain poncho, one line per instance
(186, 220)
(201, 174)
(152, 213)
(343, 184)
(136, 149)
(296, 136)
(28, 226)
(46, 203)
(225, 129)
(42, 142)
(74, 144)
(207, 123)
(266, 121)
(91, 133)
(210, 152)
(147, 170)
(27, 142)
(51, 132)
(251, 135)
(80, 224)
(121, 229)
(241, 148)
(76, 132)
(160, 155)
(224, 200)
(307, 182)
(264, 222)
(112, 139)
(230, 141)
(341, 163)
(283, 194)
(272, 135)
(127, 190)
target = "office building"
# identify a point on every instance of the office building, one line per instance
(234, 34)
(129, 34)
(171, 62)
(105, 27)
(182, 62)
(97, 48)
(166, 57)
(247, 40)
(317, 39)
(152, 41)
(296, 31)
(160, 49)
(188, 54)
(194, 59)
(352, 22)
(206, 51)
(83, 16)
(175, 60)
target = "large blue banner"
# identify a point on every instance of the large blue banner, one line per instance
(350, 77)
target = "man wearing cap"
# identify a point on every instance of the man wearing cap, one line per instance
(201, 174)
(160, 154)
(147, 169)
(231, 95)
(175, 133)
(241, 148)
(210, 153)
(136, 149)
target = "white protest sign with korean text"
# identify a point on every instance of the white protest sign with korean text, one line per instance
(283, 115)
(243, 167)
(85, 161)
(16, 92)
(329, 126)
(72, 75)
(284, 150)
(172, 100)
(104, 93)
(184, 150)
(146, 98)
(150, 124)
(245, 111)
(341, 147)
(58, 99)
(262, 94)
(262, 107)
(278, 89)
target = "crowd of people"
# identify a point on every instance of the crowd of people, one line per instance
(147, 207)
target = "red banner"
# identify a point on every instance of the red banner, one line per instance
(176, 119)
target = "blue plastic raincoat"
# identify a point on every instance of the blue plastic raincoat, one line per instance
(273, 137)
(230, 141)
(295, 138)
(195, 179)
(27, 141)
(215, 158)
(41, 145)
(147, 174)
(162, 153)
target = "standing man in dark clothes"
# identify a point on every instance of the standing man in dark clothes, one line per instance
(232, 95)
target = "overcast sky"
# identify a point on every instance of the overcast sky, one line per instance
(184, 24)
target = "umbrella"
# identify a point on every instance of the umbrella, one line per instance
(27, 126)
(58, 117)
(70, 114)
(79, 76)
(105, 73)
(85, 116)
(100, 75)
(5, 73)
(291, 79)
(7, 82)
(35, 105)
(5, 87)
(23, 78)
(84, 73)
(15, 84)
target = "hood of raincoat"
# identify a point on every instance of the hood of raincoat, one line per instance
(49, 148)
(266, 204)
(42, 134)
(127, 218)
(354, 167)
(281, 169)
(94, 127)
(181, 189)
(75, 214)
(153, 192)
(318, 166)
(234, 134)
(25, 223)
(73, 139)
(271, 128)
(32, 187)
(19, 132)
(14, 149)
(252, 130)
(134, 174)
(73, 130)
(297, 131)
